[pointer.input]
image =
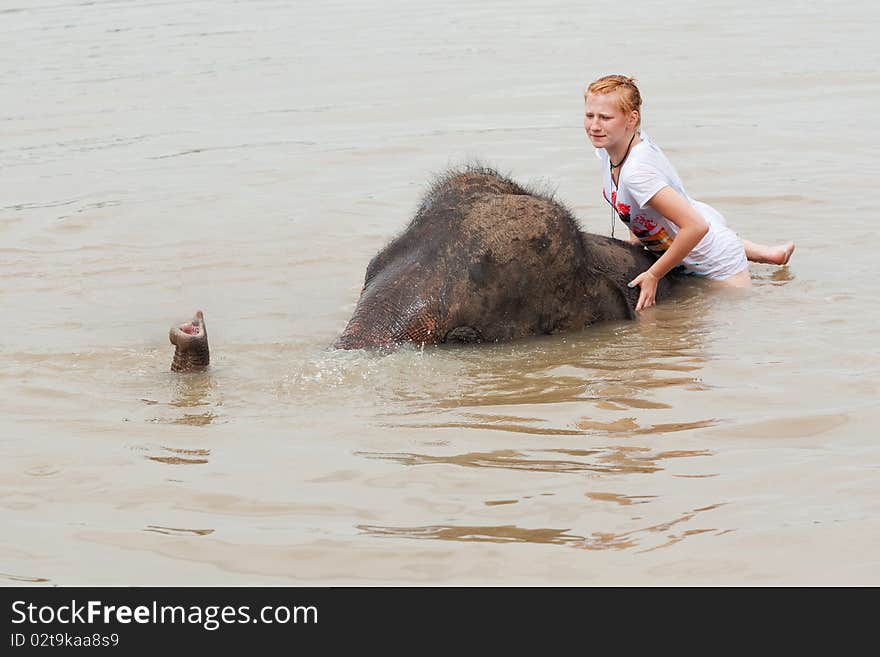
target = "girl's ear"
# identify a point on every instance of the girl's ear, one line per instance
(634, 118)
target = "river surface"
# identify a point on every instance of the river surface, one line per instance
(249, 158)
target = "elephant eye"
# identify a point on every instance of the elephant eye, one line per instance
(466, 334)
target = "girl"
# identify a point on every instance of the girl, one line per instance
(646, 193)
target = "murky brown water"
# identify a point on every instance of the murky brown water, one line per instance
(248, 158)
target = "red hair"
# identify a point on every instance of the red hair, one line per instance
(629, 99)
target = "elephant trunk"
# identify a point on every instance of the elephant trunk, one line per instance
(384, 324)
(190, 340)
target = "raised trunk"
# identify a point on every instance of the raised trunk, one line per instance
(190, 340)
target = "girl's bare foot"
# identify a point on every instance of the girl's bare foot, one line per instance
(769, 255)
(780, 254)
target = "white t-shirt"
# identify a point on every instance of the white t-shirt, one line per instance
(645, 172)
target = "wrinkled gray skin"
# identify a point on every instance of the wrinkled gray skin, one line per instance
(486, 260)
(191, 353)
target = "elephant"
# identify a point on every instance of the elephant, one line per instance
(483, 260)
(487, 260)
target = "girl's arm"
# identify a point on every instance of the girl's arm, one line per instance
(691, 229)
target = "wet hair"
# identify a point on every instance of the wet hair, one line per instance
(629, 99)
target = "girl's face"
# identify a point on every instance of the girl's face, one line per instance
(605, 123)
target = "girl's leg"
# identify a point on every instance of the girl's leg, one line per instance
(770, 255)
(742, 279)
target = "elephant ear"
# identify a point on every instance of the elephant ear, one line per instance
(613, 301)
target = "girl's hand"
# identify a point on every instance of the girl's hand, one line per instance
(647, 283)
